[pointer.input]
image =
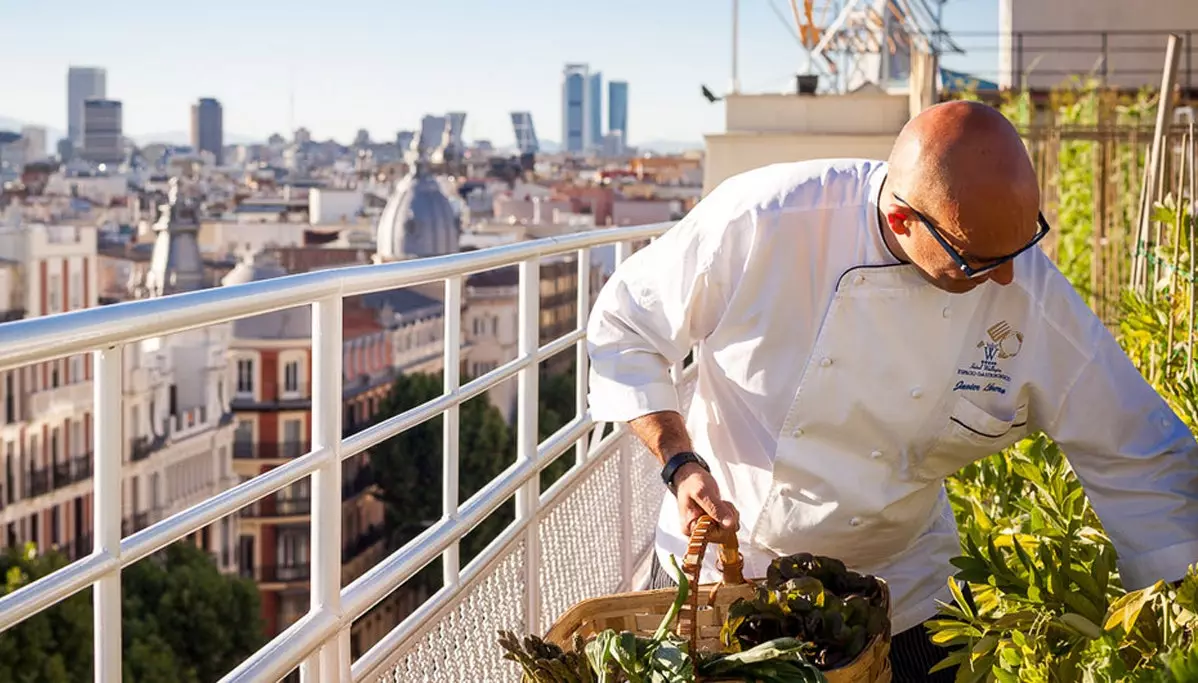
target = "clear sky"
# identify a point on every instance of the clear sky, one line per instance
(381, 65)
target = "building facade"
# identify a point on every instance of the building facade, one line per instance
(576, 98)
(207, 128)
(617, 109)
(83, 84)
(103, 141)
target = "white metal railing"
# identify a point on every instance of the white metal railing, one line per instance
(319, 642)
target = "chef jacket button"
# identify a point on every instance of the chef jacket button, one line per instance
(916, 392)
(797, 432)
(856, 521)
(859, 280)
(946, 312)
(825, 361)
(875, 455)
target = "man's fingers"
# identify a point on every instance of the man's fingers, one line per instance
(728, 517)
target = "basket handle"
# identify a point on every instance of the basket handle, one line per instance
(731, 565)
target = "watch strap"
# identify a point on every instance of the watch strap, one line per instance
(675, 463)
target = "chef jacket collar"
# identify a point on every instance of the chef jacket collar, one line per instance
(874, 220)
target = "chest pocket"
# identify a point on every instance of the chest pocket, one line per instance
(968, 434)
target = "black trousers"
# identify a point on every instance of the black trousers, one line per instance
(912, 652)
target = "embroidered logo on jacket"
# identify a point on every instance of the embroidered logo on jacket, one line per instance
(985, 374)
(1005, 343)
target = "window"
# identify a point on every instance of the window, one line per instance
(54, 294)
(134, 422)
(245, 376)
(244, 432)
(291, 377)
(54, 374)
(10, 399)
(76, 291)
(76, 438)
(293, 431)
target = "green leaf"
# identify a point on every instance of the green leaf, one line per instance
(1081, 624)
(960, 598)
(1126, 610)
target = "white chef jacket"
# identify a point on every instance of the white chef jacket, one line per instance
(837, 389)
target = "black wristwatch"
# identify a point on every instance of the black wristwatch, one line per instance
(672, 465)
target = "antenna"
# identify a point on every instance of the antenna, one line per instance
(735, 41)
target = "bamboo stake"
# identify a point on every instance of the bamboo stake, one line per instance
(1192, 152)
(1164, 112)
(1176, 261)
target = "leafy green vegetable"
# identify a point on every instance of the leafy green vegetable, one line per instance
(815, 600)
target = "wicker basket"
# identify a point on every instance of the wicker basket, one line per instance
(642, 611)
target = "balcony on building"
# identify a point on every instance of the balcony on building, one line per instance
(503, 329)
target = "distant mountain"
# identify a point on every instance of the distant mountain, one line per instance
(53, 135)
(669, 146)
(655, 146)
(182, 138)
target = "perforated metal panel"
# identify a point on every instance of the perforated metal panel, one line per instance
(580, 537)
(461, 646)
(580, 543)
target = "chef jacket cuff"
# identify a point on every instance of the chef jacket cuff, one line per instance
(1165, 564)
(615, 402)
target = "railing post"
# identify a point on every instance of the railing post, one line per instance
(325, 555)
(451, 560)
(581, 357)
(624, 463)
(106, 430)
(528, 496)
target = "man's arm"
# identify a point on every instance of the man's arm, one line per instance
(657, 305)
(664, 434)
(1137, 461)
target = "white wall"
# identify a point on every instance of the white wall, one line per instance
(1129, 69)
(333, 206)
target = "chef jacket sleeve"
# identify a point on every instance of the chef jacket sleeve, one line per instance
(658, 304)
(1137, 461)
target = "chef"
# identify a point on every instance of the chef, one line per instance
(862, 330)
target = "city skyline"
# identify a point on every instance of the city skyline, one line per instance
(266, 86)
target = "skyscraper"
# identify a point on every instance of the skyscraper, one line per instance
(208, 128)
(526, 134)
(617, 108)
(83, 83)
(595, 109)
(102, 139)
(576, 133)
(457, 127)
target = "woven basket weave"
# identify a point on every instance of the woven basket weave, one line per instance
(642, 611)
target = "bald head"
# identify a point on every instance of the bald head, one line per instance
(963, 166)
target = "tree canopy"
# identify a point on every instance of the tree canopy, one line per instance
(182, 621)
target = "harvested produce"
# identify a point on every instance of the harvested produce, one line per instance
(625, 657)
(815, 600)
(545, 662)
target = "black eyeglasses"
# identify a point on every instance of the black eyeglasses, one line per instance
(990, 264)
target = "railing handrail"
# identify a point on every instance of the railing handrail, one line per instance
(107, 329)
(32, 340)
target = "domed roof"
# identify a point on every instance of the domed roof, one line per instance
(417, 221)
(290, 323)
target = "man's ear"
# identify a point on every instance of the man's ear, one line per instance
(897, 217)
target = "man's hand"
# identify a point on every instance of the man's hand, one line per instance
(698, 495)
